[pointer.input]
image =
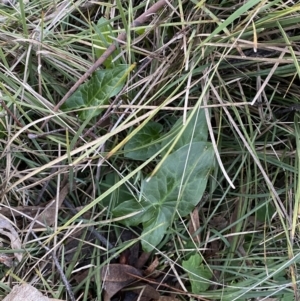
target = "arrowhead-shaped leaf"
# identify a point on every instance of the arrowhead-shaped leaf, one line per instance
(178, 185)
(97, 91)
(142, 146)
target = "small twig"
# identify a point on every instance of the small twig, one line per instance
(59, 268)
(121, 38)
(91, 229)
(63, 277)
(292, 108)
(111, 109)
(35, 136)
(11, 113)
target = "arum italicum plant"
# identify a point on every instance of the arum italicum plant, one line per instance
(201, 100)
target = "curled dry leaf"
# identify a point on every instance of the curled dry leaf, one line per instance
(26, 292)
(7, 229)
(152, 267)
(117, 276)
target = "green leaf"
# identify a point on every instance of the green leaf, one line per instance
(105, 36)
(265, 213)
(155, 228)
(118, 195)
(178, 185)
(287, 297)
(142, 146)
(3, 131)
(97, 91)
(199, 275)
(129, 207)
(2, 112)
(195, 131)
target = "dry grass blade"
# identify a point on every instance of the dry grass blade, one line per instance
(190, 97)
(122, 37)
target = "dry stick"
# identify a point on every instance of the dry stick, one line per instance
(11, 113)
(91, 229)
(121, 37)
(59, 268)
(99, 122)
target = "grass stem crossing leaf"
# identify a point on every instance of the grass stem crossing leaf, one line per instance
(97, 91)
(176, 189)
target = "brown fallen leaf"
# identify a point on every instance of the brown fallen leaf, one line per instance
(48, 215)
(26, 292)
(146, 292)
(7, 229)
(46, 212)
(131, 254)
(117, 276)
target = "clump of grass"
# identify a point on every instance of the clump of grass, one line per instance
(240, 60)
